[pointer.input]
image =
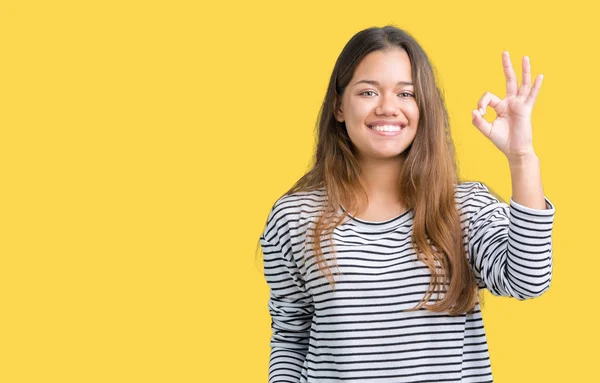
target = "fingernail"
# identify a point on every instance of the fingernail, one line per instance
(482, 111)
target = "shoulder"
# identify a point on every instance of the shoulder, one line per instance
(291, 205)
(292, 210)
(468, 189)
(473, 195)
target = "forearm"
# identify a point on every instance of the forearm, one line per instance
(526, 178)
(290, 326)
(510, 245)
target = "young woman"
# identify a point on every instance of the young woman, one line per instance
(375, 257)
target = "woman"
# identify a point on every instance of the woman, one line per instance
(375, 257)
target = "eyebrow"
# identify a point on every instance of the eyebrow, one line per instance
(373, 82)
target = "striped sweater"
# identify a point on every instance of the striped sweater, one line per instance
(359, 332)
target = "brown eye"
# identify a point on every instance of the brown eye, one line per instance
(366, 91)
(406, 94)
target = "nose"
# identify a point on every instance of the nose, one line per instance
(388, 106)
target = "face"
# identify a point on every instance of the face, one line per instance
(379, 105)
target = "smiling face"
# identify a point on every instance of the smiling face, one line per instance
(379, 106)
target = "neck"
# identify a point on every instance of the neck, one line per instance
(380, 179)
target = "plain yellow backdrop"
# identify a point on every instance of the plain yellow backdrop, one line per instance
(144, 142)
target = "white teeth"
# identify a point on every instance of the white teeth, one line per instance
(386, 128)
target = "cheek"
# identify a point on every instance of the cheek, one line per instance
(359, 110)
(414, 113)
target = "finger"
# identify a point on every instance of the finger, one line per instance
(480, 123)
(526, 83)
(534, 91)
(509, 73)
(488, 99)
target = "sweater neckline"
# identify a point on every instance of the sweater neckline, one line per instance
(379, 225)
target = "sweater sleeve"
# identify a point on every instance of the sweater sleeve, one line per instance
(510, 246)
(291, 309)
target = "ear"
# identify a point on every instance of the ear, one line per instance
(338, 112)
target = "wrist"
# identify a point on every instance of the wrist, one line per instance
(523, 160)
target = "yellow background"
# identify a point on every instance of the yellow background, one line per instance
(144, 142)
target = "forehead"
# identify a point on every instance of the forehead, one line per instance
(387, 67)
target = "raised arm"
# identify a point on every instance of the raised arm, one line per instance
(510, 246)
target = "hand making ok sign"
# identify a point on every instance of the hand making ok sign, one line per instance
(511, 130)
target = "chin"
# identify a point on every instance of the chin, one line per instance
(389, 155)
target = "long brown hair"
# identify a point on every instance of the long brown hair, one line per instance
(429, 164)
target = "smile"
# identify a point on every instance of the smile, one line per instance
(386, 130)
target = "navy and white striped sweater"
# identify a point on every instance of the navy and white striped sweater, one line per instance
(359, 331)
